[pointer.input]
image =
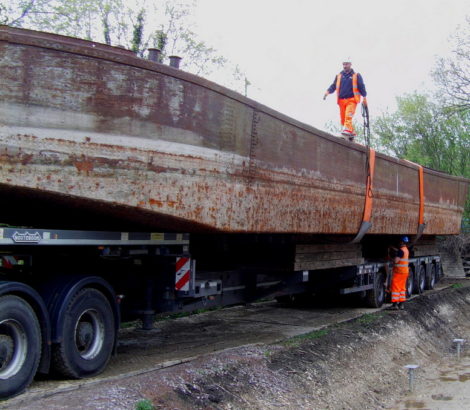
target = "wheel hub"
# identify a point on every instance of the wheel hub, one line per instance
(13, 348)
(89, 334)
(7, 348)
(85, 336)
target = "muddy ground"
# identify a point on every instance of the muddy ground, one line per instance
(356, 364)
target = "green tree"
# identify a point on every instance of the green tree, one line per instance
(425, 132)
(452, 74)
(15, 12)
(160, 40)
(165, 24)
(138, 32)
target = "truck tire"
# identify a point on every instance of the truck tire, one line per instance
(431, 278)
(20, 345)
(294, 299)
(375, 297)
(439, 272)
(286, 300)
(419, 280)
(410, 282)
(88, 336)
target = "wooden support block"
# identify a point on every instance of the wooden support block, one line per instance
(326, 256)
(314, 264)
(334, 247)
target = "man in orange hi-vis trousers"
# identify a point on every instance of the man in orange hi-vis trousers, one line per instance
(400, 274)
(349, 87)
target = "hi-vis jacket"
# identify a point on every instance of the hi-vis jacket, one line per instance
(348, 85)
(402, 265)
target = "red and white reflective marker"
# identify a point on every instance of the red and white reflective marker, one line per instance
(183, 273)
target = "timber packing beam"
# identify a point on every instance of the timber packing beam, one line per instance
(130, 188)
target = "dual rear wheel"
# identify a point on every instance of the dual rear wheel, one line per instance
(20, 345)
(375, 297)
(88, 335)
(418, 281)
(431, 278)
(419, 284)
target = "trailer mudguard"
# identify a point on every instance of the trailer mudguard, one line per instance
(58, 293)
(37, 303)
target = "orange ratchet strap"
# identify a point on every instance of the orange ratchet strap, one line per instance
(421, 195)
(366, 224)
(370, 179)
(421, 224)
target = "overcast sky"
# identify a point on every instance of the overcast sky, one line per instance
(291, 50)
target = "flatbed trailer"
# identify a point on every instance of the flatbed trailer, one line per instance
(64, 293)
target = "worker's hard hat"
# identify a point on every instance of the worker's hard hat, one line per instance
(347, 60)
(405, 239)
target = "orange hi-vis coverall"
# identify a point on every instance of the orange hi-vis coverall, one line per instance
(349, 87)
(347, 106)
(347, 109)
(400, 275)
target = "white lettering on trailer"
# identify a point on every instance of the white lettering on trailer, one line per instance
(19, 237)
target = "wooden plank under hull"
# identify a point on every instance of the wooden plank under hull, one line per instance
(95, 127)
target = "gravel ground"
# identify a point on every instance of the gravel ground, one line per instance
(356, 364)
(447, 389)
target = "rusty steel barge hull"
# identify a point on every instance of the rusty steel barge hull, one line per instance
(95, 130)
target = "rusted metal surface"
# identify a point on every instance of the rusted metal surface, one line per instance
(96, 128)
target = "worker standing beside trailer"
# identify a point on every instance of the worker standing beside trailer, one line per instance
(400, 274)
(349, 87)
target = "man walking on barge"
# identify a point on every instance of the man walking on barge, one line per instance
(349, 87)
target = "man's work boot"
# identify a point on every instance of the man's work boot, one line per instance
(401, 306)
(349, 134)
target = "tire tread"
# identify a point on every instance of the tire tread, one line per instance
(60, 362)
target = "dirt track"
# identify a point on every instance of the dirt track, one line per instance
(357, 363)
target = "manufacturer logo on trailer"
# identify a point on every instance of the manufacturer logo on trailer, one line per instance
(26, 237)
(183, 274)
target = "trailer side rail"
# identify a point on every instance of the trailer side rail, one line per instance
(27, 236)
